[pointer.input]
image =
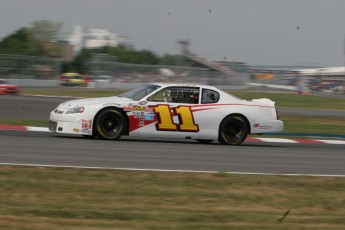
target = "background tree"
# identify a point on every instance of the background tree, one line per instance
(45, 31)
(18, 43)
(41, 39)
(45, 35)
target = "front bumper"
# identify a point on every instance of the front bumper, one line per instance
(70, 124)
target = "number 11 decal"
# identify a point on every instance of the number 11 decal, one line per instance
(166, 123)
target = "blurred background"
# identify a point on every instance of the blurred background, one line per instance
(229, 44)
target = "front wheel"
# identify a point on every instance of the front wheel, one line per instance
(233, 130)
(110, 124)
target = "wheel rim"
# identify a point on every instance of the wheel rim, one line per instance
(110, 125)
(234, 130)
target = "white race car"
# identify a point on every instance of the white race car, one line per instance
(199, 112)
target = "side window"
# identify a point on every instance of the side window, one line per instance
(161, 96)
(209, 96)
(187, 95)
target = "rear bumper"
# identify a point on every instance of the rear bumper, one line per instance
(272, 126)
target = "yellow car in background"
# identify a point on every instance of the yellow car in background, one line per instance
(72, 79)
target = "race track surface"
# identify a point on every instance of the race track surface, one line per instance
(22, 147)
(44, 148)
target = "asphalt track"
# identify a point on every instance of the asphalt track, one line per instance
(21, 147)
(42, 148)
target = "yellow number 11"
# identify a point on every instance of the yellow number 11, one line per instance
(166, 123)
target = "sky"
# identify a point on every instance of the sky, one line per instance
(258, 32)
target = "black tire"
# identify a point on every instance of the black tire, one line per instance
(233, 130)
(204, 141)
(110, 124)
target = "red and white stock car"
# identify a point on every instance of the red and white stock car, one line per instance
(199, 112)
(6, 88)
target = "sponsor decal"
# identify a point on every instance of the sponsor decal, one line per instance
(146, 116)
(139, 117)
(141, 123)
(137, 113)
(143, 103)
(149, 109)
(133, 108)
(86, 124)
(149, 117)
(265, 127)
(128, 108)
(76, 130)
(259, 126)
(111, 104)
(86, 131)
(137, 108)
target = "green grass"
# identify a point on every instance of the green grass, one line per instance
(324, 125)
(35, 123)
(73, 92)
(50, 198)
(294, 100)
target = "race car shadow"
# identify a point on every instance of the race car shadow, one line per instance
(177, 141)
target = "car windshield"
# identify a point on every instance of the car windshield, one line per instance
(138, 93)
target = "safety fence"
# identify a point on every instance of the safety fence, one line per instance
(44, 68)
(28, 67)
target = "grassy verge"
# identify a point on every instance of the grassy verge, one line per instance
(293, 124)
(324, 125)
(294, 100)
(74, 92)
(35, 123)
(48, 198)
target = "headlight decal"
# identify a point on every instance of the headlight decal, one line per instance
(76, 109)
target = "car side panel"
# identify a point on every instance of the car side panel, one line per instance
(208, 118)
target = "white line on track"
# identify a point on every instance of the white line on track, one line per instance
(333, 142)
(37, 129)
(168, 170)
(277, 140)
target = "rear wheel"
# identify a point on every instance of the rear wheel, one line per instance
(110, 124)
(233, 130)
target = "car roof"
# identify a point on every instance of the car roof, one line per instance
(165, 84)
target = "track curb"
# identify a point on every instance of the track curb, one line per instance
(249, 139)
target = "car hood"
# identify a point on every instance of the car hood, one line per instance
(92, 101)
